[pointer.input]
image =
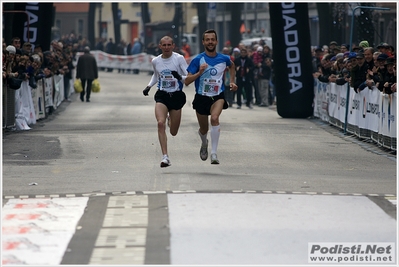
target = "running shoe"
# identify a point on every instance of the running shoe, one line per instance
(165, 162)
(204, 151)
(214, 159)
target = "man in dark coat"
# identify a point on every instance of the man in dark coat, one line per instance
(244, 67)
(86, 71)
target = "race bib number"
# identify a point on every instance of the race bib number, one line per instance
(211, 87)
(168, 83)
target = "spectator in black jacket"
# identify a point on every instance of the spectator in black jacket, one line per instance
(325, 69)
(244, 69)
(264, 82)
(359, 73)
(110, 48)
(379, 70)
(368, 56)
(387, 81)
(87, 72)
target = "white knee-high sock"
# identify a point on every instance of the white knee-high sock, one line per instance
(215, 134)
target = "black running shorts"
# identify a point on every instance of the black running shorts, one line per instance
(202, 104)
(175, 100)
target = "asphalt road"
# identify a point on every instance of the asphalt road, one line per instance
(283, 168)
(111, 144)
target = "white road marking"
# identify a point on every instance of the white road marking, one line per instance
(268, 229)
(122, 238)
(37, 231)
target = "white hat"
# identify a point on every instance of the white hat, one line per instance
(259, 49)
(11, 49)
(236, 50)
(340, 55)
(36, 58)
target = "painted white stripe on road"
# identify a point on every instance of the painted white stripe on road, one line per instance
(268, 229)
(118, 256)
(125, 225)
(121, 237)
(38, 231)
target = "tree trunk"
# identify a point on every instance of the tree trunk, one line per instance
(117, 23)
(91, 23)
(236, 22)
(325, 24)
(202, 23)
(145, 16)
(177, 22)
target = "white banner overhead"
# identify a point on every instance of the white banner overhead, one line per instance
(140, 61)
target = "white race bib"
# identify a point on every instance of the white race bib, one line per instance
(211, 87)
(168, 83)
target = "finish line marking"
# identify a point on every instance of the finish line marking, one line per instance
(238, 191)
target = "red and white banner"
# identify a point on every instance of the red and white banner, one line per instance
(38, 231)
(140, 61)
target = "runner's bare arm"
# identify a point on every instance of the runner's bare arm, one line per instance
(232, 70)
(192, 77)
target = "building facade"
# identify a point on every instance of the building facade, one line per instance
(73, 17)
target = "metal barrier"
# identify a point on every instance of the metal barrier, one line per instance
(8, 107)
(371, 114)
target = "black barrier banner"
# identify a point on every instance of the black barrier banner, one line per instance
(31, 22)
(292, 59)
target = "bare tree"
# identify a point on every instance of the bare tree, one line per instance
(91, 23)
(177, 24)
(117, 22)
(235, 9)
(202, 24)
(145, 16)
(324, 12)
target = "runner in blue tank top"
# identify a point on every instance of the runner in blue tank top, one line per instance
(207, 70)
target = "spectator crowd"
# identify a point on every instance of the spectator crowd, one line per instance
(362, 66)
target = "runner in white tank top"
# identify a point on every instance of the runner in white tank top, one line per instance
(170, 71)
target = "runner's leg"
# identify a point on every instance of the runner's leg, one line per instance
(161, 112)
(175, 119)
(216, 110)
